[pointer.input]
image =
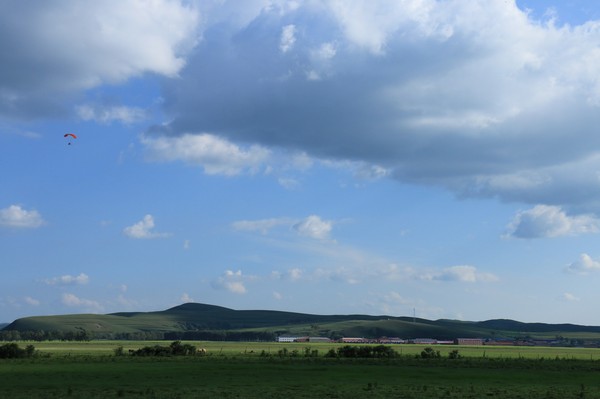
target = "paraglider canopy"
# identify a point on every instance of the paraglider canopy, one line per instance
(70, 135)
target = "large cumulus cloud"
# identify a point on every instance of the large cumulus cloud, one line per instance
(476, 96)
(52, 50)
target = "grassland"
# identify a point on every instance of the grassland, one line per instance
(252, 349)
(254, 370)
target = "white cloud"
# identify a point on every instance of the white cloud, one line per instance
(216, 155)
(16, 216)
(586, 264)
(86, 304)
(67, 279)
(237, 287)
(570, 297)
(143, 229)
(23, 133)
(462, 273)
(185, 298)
(287, 39)
(288, 183)
(550, 221)
(472, 96)
(66, 46)
(126, 302)
(31, 301)
(393, 303)
(314, 227)
(371, 172)
(341, 274)
(231, 281)
(107, 115)
(295, 274)
(396, 298)
(326, 51)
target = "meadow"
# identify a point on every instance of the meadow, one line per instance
(256, 370)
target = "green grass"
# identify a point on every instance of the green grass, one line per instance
(252, 377)
(237, 370)
(255, 348)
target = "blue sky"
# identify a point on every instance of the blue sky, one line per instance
(436, 157)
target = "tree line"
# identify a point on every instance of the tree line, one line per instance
(84, 335)
(42, 335)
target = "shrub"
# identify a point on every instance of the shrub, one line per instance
(12, 351)
(380, 351)
(175, 349)
(118, 351)
(331, 353)
(429, 353)
(264, 353)
(282, 352)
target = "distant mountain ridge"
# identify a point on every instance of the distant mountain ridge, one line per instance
(191, 317)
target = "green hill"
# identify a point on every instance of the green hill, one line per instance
(186, 317)
(193, 317)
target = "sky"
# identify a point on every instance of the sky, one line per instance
(415, 157)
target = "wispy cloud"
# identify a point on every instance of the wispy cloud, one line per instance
(87, 305)
(567, 296)
(293, 274)
(462, 273)
(216, 155)
(312, 226)
(288, 38)
(67, 279)
(31, 301)
(288, 183)
(109, 114)
(261, 225)
(340, 274)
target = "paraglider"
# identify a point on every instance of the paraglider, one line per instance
(70, 135)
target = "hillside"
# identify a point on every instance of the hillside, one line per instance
(186, 317)
(192, 317)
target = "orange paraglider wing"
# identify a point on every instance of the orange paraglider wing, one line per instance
(70, 134)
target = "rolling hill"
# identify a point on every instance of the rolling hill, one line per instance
(202, 317)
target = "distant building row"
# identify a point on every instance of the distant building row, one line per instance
(458, 341)
(383, 340)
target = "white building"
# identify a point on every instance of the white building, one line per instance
(291, 339)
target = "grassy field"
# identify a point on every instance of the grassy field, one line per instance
(254, 370)
(255, 348)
